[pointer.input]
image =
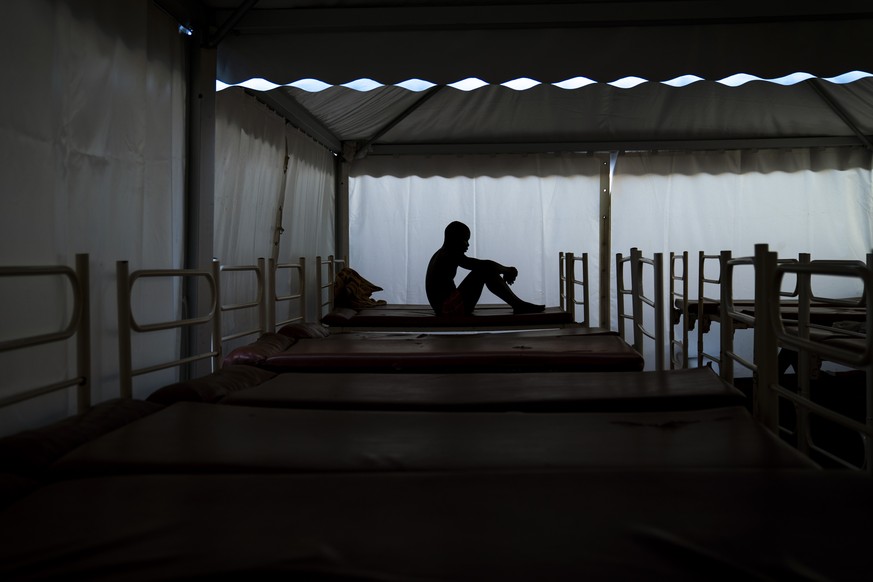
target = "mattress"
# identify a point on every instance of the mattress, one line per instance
(589, 525)
(423, 316)
(459, 353)
(195, 437)
(495, 392)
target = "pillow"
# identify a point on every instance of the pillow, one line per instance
(213, 387)
(304, 330)
(33, 450)
(255, 353)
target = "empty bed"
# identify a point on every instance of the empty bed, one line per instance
(599, 352)
(195, 437)
(589, 525)
(496, 392)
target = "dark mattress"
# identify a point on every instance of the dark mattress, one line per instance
(422, 316)
(556, 392)
(599, 525)
(196, 437)
(459, 353)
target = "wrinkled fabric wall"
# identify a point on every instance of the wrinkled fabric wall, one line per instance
(522, 210)
(92, 153)
(253, 191)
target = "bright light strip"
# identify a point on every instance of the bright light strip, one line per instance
(469, 84)
(363, 85)
(575, 83)
(628, 82)
(416, 85)
(682, 81)
(849, 77)
(310, 85)
(524, 83)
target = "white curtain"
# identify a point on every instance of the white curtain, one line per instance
(93, 162)
(252, 190)
(522, 210)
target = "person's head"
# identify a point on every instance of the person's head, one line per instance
(457, 236)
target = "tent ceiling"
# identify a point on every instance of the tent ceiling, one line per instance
(497, 41)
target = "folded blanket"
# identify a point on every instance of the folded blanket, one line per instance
(352, 290)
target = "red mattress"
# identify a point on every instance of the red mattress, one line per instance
(591, 525)
(459, 353)
(423, 317)
(495, 392)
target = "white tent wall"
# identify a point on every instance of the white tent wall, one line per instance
(249, 162)
(252, 143)
(93, 162)
(522, 210)
(308, 217)
(797, 201)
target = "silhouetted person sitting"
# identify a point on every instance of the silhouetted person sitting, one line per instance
(446, 299)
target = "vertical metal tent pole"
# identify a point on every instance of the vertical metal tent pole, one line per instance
(200, 196)
(605, 242)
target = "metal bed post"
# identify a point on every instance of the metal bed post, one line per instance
(270, 298)
(216, 320)
(803, 371)
(586, 312)
(83, 335)
(766, 401)
(702, 281)
(682, 296)
(621, 292)
(263, 307)
(726, 323)
(567, 289)
(125, 366)
(331, 277)
(636, 297)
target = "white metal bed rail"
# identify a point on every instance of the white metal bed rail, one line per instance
(857, 354)
(79, 325)
(324, 281)
(636, 262)
(679, 345)
(568, 283)
(290, 296)
(127, 324)
(258, 302)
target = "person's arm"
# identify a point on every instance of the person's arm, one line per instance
(509, 273)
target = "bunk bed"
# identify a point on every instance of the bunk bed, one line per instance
(414, 317)
(197, 491)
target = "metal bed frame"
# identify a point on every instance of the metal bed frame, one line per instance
(127, 323)
(79, 325)
(569, 300)
(636, 262)
(277, 296)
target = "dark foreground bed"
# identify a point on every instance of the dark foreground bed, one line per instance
(604, 525)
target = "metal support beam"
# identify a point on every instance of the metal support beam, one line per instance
(605, 242)
(835, 106)
(611, 146)
(364, 148)
(199, 193)
(286, 106)
(230, 22)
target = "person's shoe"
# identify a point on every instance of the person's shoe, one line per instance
(526, 307)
